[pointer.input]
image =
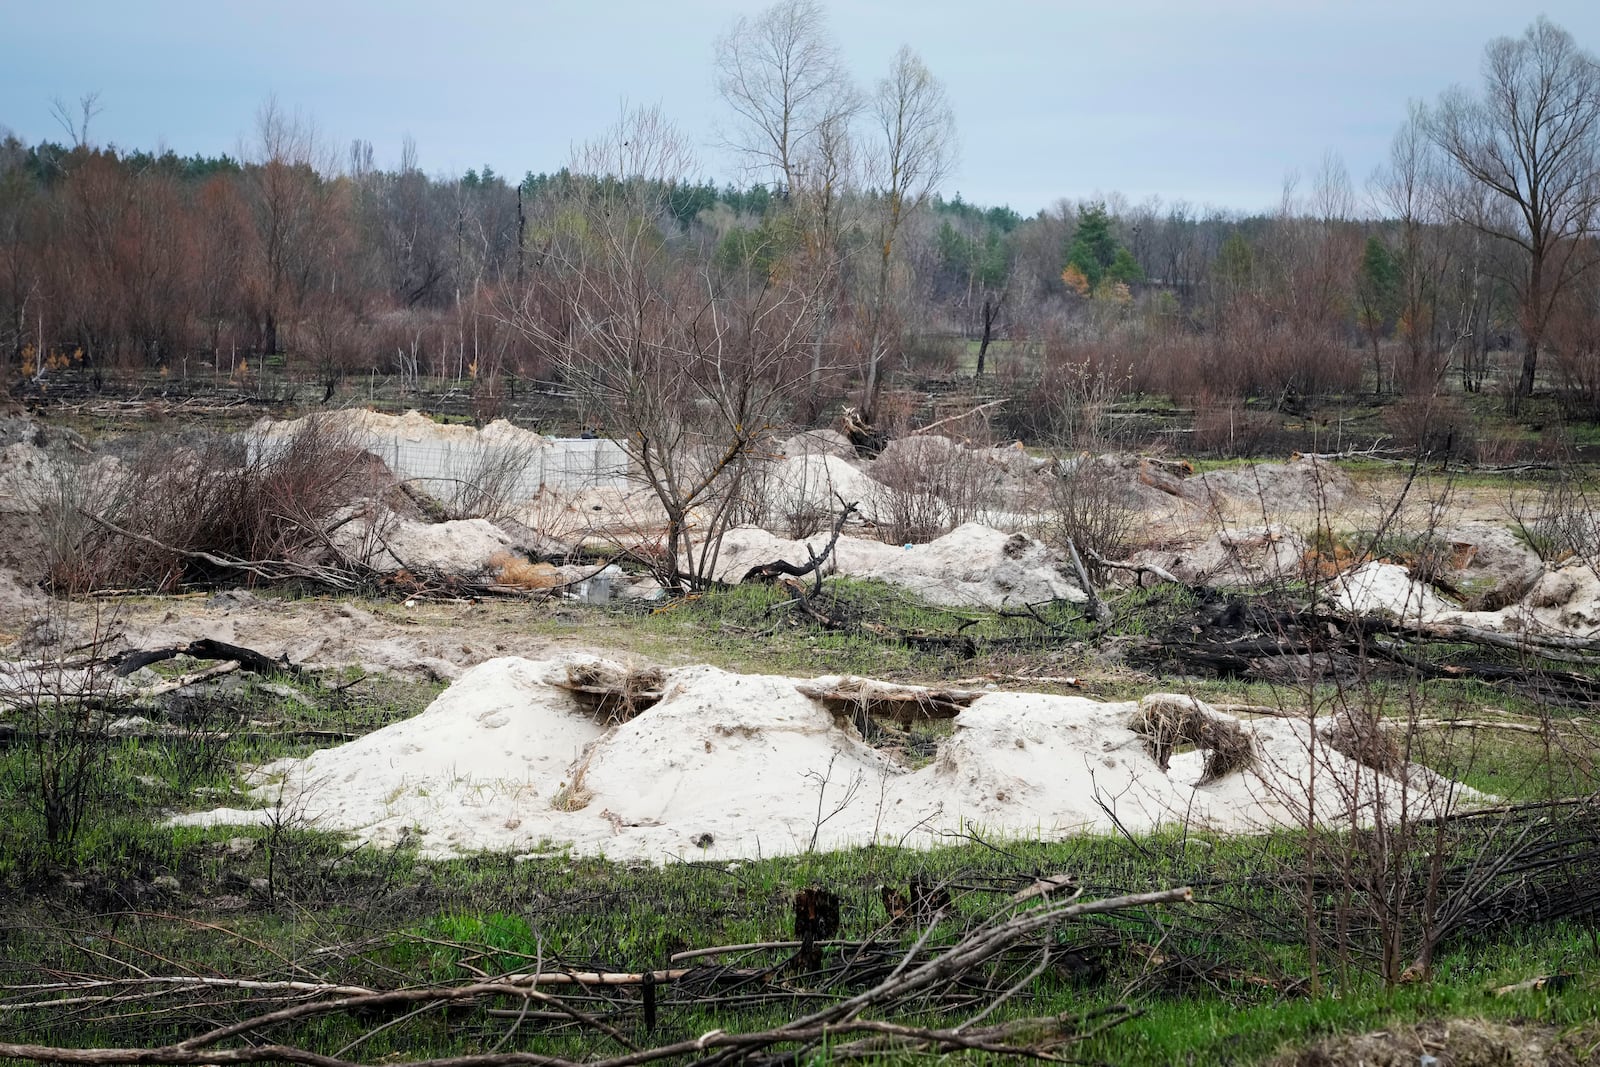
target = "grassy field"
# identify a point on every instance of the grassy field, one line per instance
(1282, 945)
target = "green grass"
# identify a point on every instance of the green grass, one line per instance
(401, 921)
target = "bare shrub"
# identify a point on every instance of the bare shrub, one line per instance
(490, 484)
(230, 508)
(931, 485)
(792, 498)
(933, 356)
(1228, 428)
(63, 712)
(1077, 397)
(1430, 424)
(64, 498)
(1560, 522)
(1088, 506)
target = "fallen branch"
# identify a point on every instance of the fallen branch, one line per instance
(904, 704)
(185, 680)
(771, 572)
(904, 984)
(956, 418)
(204, 648)
(1140, 569)
(1021, 679)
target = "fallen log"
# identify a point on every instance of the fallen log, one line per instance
(248, 659)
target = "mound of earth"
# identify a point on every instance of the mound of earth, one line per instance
(1273, 490)
(1486, 565)
(1563, 601)
(1245, 557)
(730, 766)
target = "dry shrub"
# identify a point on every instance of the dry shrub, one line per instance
(933, 356)
(490, 484)
(574, 795)
(1358, 734)
(614, 695)
(1168, 720)
(234, 497)
(931, 485)
(1500, 446)
(1228, 428)
(790, 499)
(511, 569)
(1089, 507)
(1433, 425)
(1076, 395)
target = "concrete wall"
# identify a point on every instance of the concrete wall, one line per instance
(440, 467)
(447, 467)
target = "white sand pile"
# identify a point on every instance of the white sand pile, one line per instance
(972, 565)
(824, 442)
(463, 546)
(606, 514)
(1273, 490)
(739, 766)
(1389, 589)
(1564, 601)
(804, 490)
(375, 429)
(1488, 564)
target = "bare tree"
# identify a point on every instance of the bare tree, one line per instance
(780, 73)
(1530, 149)
(914, 155)
(1410, 190)
(77, 127)
(687, 366)
(290, 212)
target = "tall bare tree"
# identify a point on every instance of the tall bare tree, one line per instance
(1529, 148)
(781, 75)
(914, 154)
(290, 209)
(1410, 189)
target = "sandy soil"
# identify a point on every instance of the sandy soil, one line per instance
(737, 766)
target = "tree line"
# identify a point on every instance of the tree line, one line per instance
(1476, 236)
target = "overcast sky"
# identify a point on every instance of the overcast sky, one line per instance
(1212, 101)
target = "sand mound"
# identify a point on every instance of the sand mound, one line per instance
(1252, 556)
(463, 547)
(802, 492)
(1564, 601)
(972, 565)
(413, 427)
(727, 765)
(1273, 490)
(825, 442)
(1389, 589)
